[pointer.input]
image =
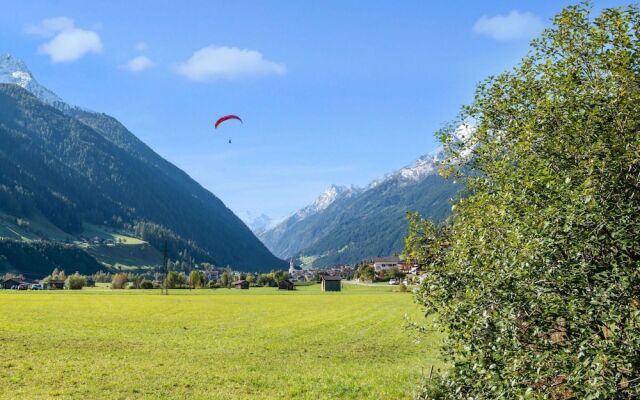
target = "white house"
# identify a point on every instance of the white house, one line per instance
(385, 263)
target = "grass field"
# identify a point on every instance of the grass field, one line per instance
(211, 344)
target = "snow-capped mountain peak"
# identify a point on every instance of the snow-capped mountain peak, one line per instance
(414, 172)
(331, 194)
(15, 71)
(326, 198)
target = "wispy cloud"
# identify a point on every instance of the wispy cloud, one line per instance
(216, 63)
(138, 64)
(141, 46)
(68, 43)
(513, 26)
(50, 26)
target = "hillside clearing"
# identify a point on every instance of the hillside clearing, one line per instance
(218, 344)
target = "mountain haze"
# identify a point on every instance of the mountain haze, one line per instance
(74, 166)
(258, 223)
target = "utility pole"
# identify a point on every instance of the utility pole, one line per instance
(165, 271)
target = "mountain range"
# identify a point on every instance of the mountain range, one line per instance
(258, 223)
(347, 224)
(69, 168)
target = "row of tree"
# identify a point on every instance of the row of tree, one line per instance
(196, 278)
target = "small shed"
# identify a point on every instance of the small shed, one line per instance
(286, 285)
(10, 283)
(56, 284)
(331, 283)
(242, 284)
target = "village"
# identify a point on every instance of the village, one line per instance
(390, 269)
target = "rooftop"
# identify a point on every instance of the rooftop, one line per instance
(387, 259)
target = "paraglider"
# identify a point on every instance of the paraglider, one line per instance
(226, 118)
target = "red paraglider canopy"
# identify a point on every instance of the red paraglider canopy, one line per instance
(225, 118)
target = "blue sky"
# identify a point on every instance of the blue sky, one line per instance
(330, 92)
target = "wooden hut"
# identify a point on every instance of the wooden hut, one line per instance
(242, 284)
(56, 284)
(331, 283)
(286, 285)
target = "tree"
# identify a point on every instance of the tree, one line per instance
(136, 281)
(393, 273)
(195, 279)
(264, 279)
(75, 281)
(175, 279)
(101, 276)
(226, 279)
(56, 274)
(540, 287)
(279, 276)
(366, 272)
(425, 242)
(251, 278)
(119, 280)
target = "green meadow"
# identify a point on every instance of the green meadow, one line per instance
(212, 344)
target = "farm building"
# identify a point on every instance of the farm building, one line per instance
(241, 284)
(55, 284)
(286, 285)
(331, 283)
(10, 283)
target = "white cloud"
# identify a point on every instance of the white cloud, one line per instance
(67, 43)
(515, 25)
(138, 64)
(50, 26)
(141, 46)
(214, 63)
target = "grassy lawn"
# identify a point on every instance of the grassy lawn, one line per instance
(102, 232)
(213, 344)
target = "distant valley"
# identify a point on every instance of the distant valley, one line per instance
(80, 181)
(347, 224)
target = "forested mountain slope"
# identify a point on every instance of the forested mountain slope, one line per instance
(74, 166)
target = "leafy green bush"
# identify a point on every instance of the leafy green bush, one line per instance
(75, 282)
(366, 272)
(539, 288)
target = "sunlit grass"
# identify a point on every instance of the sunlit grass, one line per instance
(220, 344)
